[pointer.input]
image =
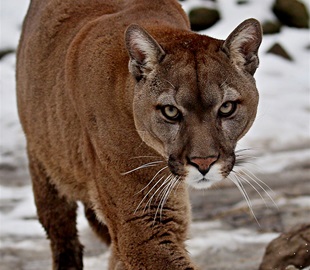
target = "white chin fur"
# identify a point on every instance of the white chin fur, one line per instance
(195, 179)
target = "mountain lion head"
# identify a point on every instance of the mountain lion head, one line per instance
(195, 97)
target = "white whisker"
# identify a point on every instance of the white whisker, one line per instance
(162, 185)
(159, 195)
(177, 186)
(147, 194)
(154, 177)
(246, 176)
(241, 188)
(147, 165)
(165, 194)
(170, 84)
(173, 184)
(241, 164)
(257, 181)
(137, 157)
(244, 157)
(248, 182)
(243, 150)
(262, 182)
(162, 194)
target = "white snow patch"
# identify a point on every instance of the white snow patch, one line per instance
(11, 16)
(98, 262)
(280, 161)
(25, 244)
(218, 239)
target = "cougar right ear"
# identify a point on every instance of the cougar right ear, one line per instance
(242, 45)
(143, 49)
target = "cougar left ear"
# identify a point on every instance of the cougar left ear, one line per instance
(143, 49)
(242, 45)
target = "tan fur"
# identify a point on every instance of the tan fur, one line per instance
(88, 121)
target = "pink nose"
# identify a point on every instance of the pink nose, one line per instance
(203, 164)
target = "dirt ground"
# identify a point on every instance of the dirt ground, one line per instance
(223, 207)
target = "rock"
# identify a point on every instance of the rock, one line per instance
(242, 2)
(290, 250)
(271, 27)
(8, 167)
(291, 13)
(277, 49)
(203, 18)
(4, 52)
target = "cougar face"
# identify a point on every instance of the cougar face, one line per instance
(193, 106)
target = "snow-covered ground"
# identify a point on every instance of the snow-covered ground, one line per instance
(280, 135)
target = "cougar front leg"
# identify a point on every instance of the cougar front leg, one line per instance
(58, 217)
(159, 250)
(145, 241)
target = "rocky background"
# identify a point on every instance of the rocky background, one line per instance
(290, 13)
(224, 234)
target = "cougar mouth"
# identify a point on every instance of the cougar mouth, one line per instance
(201, 177)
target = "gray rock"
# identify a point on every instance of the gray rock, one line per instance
(289, 250)
(4, 52)
(277, 49)
(242, 2)
(291, 13)
(271, 27)
(203, 18)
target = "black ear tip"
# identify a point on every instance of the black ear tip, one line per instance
(133, 27)
(253, 22)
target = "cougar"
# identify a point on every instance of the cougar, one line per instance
(123, 107)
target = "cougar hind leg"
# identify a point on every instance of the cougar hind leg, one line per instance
(58, 217)
(100, 229)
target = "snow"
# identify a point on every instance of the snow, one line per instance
(216, 240)
(22, 219)
(282, 123)
(279, 161)
(11, 16)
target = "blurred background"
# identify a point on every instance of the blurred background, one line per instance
(224, 233)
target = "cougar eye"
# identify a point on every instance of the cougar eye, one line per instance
(228, 108)
(170, 112)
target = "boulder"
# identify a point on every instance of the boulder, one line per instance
(291, 13)
(4, 52)
(277, 49)
(242, 2)
(271, 27)
(290, 250)
(202, 18)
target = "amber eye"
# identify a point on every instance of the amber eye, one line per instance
(228, 108)
(170, 112)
